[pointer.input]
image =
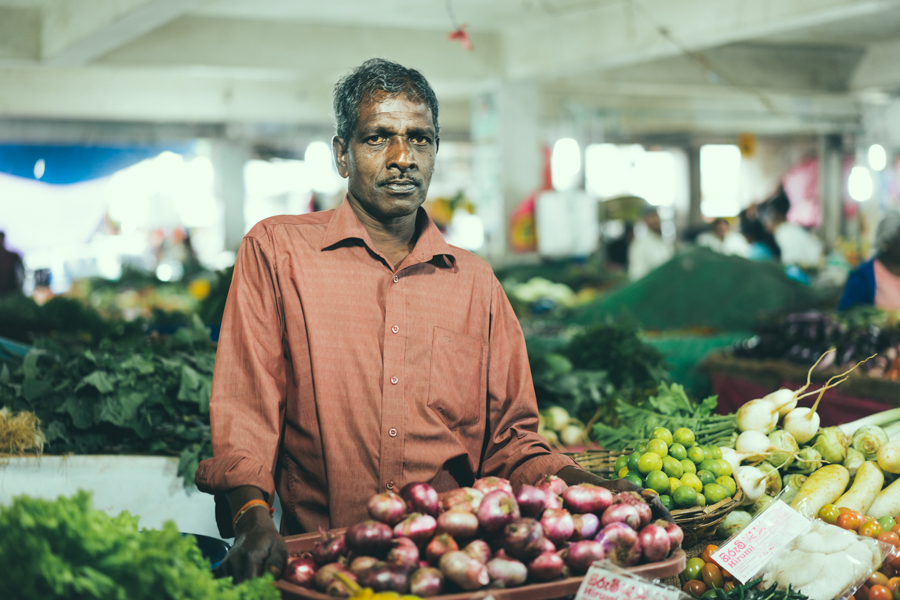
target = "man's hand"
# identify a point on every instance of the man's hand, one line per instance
(573, 476)
(258, 547)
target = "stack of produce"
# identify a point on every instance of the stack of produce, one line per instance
(484, 536)
(683, 473)
(67, 550)
(802, 337)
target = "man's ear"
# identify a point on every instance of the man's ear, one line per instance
(437, 144)
(339, 151)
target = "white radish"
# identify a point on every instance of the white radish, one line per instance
(733, 457)
(754, 445)
(752, 482)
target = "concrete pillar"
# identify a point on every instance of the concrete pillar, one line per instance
(228, 158)
(695, 216)
(507, 140)
(830, 152)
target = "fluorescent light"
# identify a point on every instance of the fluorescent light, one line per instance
(859, 184)
(877, 157)
(565, 164)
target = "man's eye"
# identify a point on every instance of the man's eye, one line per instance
(419, 140)
(376, 139)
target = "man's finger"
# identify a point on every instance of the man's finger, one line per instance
(275, 563)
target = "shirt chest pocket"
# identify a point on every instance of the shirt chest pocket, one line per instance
(457, 385)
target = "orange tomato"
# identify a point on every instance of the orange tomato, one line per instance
(849, 520)
(880, 592)
(844, 509)
(863, 592)
(889, 537)
(726, 574)
(871, 529)
(712, 576)
(896, 528)
(892, 583)
(694, 588)
(708, 552)
(888, 570)
(729, 585)
(895, 562)
(877, 578)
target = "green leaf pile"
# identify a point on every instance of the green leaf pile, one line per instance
(66, 549)
(143, 397)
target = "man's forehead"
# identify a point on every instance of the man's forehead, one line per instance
(385, 108)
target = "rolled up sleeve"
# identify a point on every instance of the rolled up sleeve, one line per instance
(249, 383)
(514, 448)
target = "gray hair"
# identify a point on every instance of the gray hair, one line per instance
(888, 228)
(378, 75)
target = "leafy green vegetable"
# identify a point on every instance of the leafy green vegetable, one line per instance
(142, 397)
(670, 408)
(616, 347)
(66, 549)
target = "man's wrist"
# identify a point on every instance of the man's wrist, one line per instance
(255, 517)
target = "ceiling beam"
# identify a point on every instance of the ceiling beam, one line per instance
(20, 35)
(626, 33)
(879, 68)
(77, 32)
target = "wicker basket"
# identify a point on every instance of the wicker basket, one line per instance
(698, 523)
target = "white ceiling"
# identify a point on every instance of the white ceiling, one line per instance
(778, 66)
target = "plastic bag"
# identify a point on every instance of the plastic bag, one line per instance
(624, 584)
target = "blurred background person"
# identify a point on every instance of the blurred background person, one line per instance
(798, 246)
(761, 243)
(877, 281)
(12, 270)
(720, 238)
(648, 250)
(617, 249)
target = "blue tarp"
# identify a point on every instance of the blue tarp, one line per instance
(64, 164)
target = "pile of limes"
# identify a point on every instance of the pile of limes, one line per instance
(681, 472)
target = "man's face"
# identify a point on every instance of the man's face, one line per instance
(390, 157)
(652, 221)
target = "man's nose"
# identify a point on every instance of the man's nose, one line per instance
(401, 155)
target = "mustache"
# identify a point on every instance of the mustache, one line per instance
(400, 181)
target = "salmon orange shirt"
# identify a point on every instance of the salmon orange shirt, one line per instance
(337, 378)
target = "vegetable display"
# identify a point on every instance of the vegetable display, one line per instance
(67, 550)
(472, 538)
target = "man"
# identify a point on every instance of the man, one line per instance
(723, 240)
(359, 352)
(648, 250)
(11, 269)
(798, 246)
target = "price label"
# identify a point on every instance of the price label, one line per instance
(604, 584)
(762, 539)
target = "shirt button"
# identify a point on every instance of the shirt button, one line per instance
(394, 380)
(392, 432)
(395, 329)
(390, 485)
(396, 278)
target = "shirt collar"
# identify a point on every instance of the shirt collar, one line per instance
(345, 225)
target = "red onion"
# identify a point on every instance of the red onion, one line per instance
(558, 525)
(439, 546)
(497, 510)
(522, 539)
(640, 505)
(382, 577)
(362, 563)
(621, 513)
(404, 555)
(464, 571)
(620, 544)
(421, 497)
(507, 572)
(547, 545)
(581, 555)
(486, 485)
(546, 567)
(463, 498)
(300, 571)
(417, 527)
(553, 501)
(459, 523)
(369, 538)
(552, 484)
(586, 526)
(654, 543)
(426, 582)
(325, 575)
(479, 550)
(531, 501)
(587, 498)
(676, 535)
(388, 508)
(329, 547)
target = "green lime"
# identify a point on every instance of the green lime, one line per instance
(666, 500)
(658, 447)
(701, 500)
(707, 465)
(685, 497)
(693, 569)
(722, 467)
(684, 436)
(621, 473)
(672, 467)
(688, 466)
(650, 462)
(692, 481)
(678, 451)
(621, 463)
(715, 452)
(635, 479)
(706, 477)
(632, 461)
(674, 484)
(657, 481)
(715, 492)
(727, 483)
(661, 433)
(640, 447)
(696, 454)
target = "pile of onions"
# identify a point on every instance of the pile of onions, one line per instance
(464, 540)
